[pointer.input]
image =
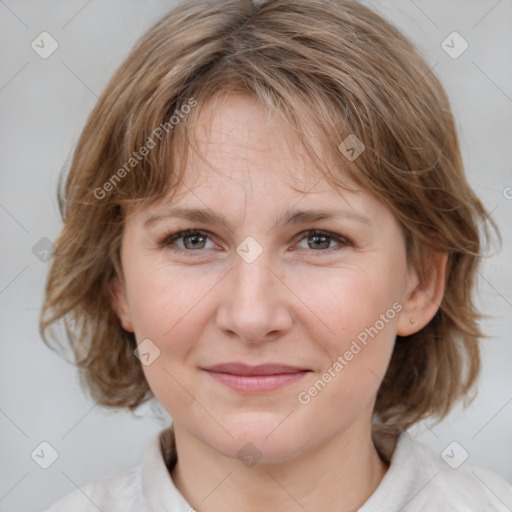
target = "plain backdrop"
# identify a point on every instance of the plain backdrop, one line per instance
(44, 104)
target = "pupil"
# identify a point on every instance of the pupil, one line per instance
(195, 238)
(323, 239)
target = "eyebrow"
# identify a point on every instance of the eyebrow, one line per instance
(206, 216)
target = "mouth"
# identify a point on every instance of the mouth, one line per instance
(256, 379)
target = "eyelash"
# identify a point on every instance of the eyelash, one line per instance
(169, 239)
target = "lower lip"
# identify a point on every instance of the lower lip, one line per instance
(257, 383)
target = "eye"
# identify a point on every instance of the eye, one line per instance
(194, 240)
(320, 241)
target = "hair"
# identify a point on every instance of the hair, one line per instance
(329, 69)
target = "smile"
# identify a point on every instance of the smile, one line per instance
(256, 379)
(257, 383)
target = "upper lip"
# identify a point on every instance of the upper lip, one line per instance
(261, 369)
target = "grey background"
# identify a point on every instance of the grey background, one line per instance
(44, 104)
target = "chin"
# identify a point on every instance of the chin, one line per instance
(261, 438)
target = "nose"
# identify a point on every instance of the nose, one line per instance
(255, 305)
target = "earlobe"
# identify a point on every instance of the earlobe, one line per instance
(120, 304)
(424, 299)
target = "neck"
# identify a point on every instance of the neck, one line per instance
(340, 474)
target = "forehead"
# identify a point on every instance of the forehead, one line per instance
(237, 142)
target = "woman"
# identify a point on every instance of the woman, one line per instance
(268, 229)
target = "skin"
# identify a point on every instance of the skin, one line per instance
(296, 304)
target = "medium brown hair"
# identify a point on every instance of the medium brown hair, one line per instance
(329, 69)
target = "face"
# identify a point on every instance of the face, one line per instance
(319, 302)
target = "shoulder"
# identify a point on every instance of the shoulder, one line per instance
(141, 488)
(449, 482)
(117, 492)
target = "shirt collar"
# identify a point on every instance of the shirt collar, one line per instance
(159, 493)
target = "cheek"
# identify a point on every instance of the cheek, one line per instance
(348, 302)
(165, 301)
(361, 311)
(170, 309)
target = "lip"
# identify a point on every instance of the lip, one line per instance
(255, 370)
(256, 379)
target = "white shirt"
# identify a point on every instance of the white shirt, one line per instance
(417, 480)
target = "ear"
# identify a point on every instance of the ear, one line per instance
(424, 296)
(120, 304)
